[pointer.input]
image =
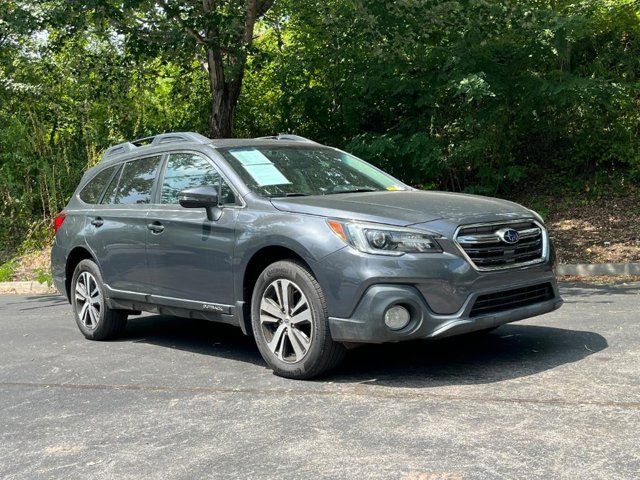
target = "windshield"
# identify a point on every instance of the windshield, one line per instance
(289, 171)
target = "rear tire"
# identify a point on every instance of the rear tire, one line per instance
(290, 322)
(94, 318)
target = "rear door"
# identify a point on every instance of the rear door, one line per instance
(190, 257)
(119, 226)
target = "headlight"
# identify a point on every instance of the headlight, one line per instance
(383, 240)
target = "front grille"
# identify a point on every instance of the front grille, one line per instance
(510, 299)
(485, 248)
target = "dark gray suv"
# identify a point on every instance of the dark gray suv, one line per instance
(303, 246)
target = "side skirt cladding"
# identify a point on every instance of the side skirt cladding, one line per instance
(173, 306)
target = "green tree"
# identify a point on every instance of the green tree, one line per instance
(218, 33)
(467, 95)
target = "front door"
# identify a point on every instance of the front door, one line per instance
(188, 256)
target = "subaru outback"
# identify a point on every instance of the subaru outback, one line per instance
(305, 247)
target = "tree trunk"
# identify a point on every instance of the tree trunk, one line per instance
(225, 86)
(225, 92)
(223, 109)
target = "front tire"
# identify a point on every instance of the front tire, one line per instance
(290, 322)
(94, 318)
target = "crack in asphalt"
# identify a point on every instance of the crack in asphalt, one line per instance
(347, 392)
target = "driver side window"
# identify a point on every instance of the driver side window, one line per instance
(187, 170)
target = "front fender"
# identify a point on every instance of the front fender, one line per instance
(307, 236)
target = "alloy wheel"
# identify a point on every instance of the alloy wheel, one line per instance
(286, 320)
(88, 300)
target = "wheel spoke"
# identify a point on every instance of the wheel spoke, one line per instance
(276, 287)
(266, 318)
(271, 307)
(277, 337)
(85, 282)
(302, 317)
(280, 352)
(80, 290)
(84, 312)
(93, 313)
(97, 298)
(299, 342)
(285, 295)
(301, 303)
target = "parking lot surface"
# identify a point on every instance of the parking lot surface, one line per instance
(556, 396)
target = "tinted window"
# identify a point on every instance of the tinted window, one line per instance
(306, 170)
(186, 170)
(112, 189)
(92, 191)
(136, 181)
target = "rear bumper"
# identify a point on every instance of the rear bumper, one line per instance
(58, 262)
(366, 325)
(61, 285)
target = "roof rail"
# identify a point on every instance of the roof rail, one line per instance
(155, 140)
(118, 149)
(287, 136)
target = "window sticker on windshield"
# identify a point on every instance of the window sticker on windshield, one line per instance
(250, 156)
(266, 174)
(394, 188)
(259, 167)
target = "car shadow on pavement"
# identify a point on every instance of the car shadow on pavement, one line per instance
(580, 292)
(512, 351)
(36, 302)
(197, 336)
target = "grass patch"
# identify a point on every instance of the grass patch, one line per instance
(7, 270)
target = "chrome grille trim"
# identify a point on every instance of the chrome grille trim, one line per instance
(491, 238)
(534, 240)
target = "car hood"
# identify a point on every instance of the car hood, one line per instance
(405, 208)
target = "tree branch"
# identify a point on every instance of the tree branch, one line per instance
(250, 21)
(263, 7)
(199, 38)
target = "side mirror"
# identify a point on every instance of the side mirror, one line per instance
(201, 197)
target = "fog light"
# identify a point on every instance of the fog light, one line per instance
(397, 317)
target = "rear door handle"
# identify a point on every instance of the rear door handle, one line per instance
(156, 227)
(97, 222)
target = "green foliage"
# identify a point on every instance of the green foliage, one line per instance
(496, 97)
(77, 95)
(479, 96)
(43, 276)
(7, 270)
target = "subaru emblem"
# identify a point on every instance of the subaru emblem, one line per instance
(508, 235)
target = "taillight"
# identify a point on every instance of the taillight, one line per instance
(58, 220)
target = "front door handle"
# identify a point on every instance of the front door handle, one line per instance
(97, 222)
(156, 227)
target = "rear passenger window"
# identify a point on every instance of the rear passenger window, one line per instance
(136, 182)
(112, 189)
(186, 170)
(92, 191)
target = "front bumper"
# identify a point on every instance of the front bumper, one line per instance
(366, 325)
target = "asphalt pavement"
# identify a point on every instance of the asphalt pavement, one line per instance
(556, 396)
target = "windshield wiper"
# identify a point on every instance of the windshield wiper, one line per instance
(288, 194)
(354, 190)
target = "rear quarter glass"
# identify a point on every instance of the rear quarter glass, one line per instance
(93, 190)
